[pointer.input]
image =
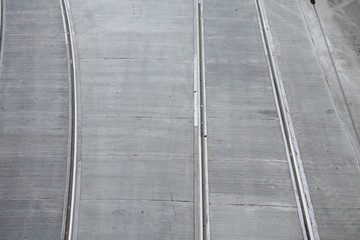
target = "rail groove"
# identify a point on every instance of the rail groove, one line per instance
(2, 30)
(298, 176)
(73, 125)
(203, 157)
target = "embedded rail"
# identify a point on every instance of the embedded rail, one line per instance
(72, 166)
(303, 200)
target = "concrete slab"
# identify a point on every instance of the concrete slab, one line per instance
(136, 7)
(136, 220)
(251, 192)
(137, 128)
(137, 140)
(253, 222)
(34, 121)
(135, 36)
(325, 147)
(341, 23)
(122, 80)
(32, 218)
(173, 178)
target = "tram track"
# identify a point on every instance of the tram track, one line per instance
(72, 163)
(2, 30)
(306, 217)
(303, 201)
(200, 122)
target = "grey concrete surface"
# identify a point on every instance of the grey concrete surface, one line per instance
(137, 140)
(340, 24)
(34, 109)
(329, 160)
(335, 32)
(251, 193)
(137, 131)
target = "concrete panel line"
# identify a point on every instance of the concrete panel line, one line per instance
(302, 194)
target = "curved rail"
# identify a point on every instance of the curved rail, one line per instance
(73, 138)
(303, 200)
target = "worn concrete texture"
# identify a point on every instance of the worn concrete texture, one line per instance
(34, 121)
(137, 131)
(326, 149)
(137, 169)
(251, 192)
(341, 24)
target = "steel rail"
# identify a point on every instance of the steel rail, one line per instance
(2, 30)
(303, 201)
(203, 124)
(69, 222)
(198, 226)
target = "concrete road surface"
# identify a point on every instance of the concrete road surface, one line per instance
(139, 172)
(251, 192)
(34, 121)
(137, 130)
